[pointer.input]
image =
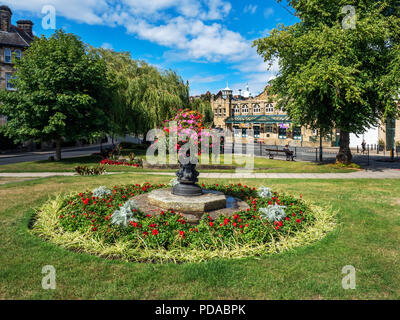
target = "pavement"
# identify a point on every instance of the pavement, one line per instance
(363, 174)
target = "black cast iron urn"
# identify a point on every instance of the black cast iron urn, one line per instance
(187, 177)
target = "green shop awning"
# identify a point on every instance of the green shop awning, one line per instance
(268, 119)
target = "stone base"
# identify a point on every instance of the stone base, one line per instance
(163, 198)
(210, 203)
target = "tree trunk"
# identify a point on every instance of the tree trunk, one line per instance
(58, 149)
(344, 155)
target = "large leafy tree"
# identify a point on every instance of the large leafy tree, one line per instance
(61, 92)
(333, 75)
(143, 96)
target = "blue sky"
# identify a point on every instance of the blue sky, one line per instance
(208, 42)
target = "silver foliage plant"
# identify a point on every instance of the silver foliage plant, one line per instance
(174, 182)
(273, 213)
(101, 192)
(264, 192)
(125, 214)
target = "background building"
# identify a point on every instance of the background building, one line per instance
(271, 125)
(14, 40)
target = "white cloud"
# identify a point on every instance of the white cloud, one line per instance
(191, 29)
(268, 12)
(106, 45)
(197, 39)
(250, 9)
(206, 79)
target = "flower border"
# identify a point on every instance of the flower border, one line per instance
(47, 226)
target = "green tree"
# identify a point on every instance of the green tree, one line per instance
(333, 75)
(202, 104)
(61, 92)
(143, 96)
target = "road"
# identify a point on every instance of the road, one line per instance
(44, 155)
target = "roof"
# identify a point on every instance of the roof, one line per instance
(269, 119)
(5, 8)
(15, 37)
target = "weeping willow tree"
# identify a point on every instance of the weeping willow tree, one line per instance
(143, 95)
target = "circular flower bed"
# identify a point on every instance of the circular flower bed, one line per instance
(105, 222)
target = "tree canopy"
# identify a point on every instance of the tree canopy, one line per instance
(333, 76)
(61, 92)
(143, 96)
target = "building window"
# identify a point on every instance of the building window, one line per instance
(236, 131)
(9, 85)
(17, 54)
(7, 55)
(256, 108)
(268, 129)
(256, 131)
(282, 133)
(269, 108)
(244, 133)
(224, 112)
(296, 133)
(236, 109)
(245, 108)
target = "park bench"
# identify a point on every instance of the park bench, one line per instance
(273, 152)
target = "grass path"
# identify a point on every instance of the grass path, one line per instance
(367, 237)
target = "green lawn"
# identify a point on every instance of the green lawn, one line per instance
(367, 237)
(261, 165)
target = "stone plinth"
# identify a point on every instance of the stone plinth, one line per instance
(163, 198)
(211, 203)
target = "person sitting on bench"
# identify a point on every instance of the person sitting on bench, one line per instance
(288, 152)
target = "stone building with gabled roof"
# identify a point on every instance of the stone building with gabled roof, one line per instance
(14, 40)
(242, 112)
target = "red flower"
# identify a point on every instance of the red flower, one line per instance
(86, 201)
(298, 220)
(155, 232)
(211, 224)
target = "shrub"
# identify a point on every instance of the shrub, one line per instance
(90, 171)
(101, 192)
(125, 214)
(273, 213)
(264, 192)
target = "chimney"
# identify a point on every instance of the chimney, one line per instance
(26, 25)
(5, 18)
